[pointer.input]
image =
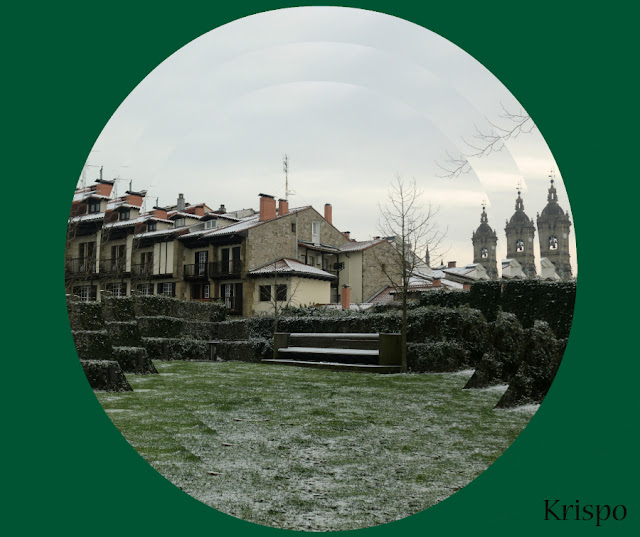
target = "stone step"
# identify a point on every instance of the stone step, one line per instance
(321, 354)
(345, 341)
(335, 366)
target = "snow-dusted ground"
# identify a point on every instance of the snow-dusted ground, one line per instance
(313, 450)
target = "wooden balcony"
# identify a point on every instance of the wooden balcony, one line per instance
(113, 266)
(220, 270)
(80, 266)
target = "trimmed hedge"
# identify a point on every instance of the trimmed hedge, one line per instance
(105, 375)
(501, 360)
(165, 306)
(238, 329)
(118, 309)
(252, 350)
(159, 348)
(444, 299)
(437, 357)
(161, 326)
(84, 316)
(124, 333)
(485, 296)
(540, 359)
(134, 360)
(92, 344)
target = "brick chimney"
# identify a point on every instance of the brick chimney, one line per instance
(267, 207)
(328, 213)
(451, 264)
(466, 287)
(346, 297)
(283, 207)
(435, 282)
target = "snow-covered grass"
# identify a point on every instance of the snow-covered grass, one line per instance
(311, 449)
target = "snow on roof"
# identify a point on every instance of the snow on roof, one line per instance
(248, 222)
(157, 233)
(359, 246)
(319, 247)
(87, 218)
(83, 195)
(186, 215)
(291, 266)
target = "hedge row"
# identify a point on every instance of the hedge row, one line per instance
(158, 305)
(134, 360)
(93, 344)
(85, 315)
(437, 357)
(159, 348)
(529, 300)
(105, 375)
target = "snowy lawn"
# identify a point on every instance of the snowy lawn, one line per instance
(306, 449)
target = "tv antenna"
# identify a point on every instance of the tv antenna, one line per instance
(285, 169)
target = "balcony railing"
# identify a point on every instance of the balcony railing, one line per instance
(225, 269)
(214, 270)
(116, 265)
(81, 265)
(142, 270)
(197, 270)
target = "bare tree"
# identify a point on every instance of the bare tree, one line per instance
(416, 231)
(484, 143)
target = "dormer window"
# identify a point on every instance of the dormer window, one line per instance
(125, 214)
(94, 206)
(152, 226)
(179, 222)
(211, 224)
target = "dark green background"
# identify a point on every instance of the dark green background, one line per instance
(66, 69)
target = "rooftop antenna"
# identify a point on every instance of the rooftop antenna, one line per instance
(285, 168)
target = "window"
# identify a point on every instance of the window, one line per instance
(265, 293)
(86, 293)
(293, 227)
(117, 289)
(146, 260)
(211, 224)
(152, 226)
(519, 245)
(553, 242)
(125, 214)
(94, 206)
(167, 289)
(179, 222)
(118, 260)
(281, 293)
(484, 253)
(145, 289)
(311, 260)
(315, 232)
(201, 263)
(205, 291)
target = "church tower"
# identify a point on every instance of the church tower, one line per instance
(553, 233)
(520, 234)
(484, 241)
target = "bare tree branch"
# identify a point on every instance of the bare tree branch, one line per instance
(484, 143)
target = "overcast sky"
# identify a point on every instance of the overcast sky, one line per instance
(353, 98)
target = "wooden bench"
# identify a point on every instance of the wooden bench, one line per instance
(376, 353)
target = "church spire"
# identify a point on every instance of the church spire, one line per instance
(553, 194)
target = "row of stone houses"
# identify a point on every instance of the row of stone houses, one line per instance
(247, 259)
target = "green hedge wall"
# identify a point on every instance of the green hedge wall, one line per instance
(158, 305)
(437, 357)
(161, 326)
(105, 375)
(159, 348)
(124, 333)
(85, 315)
(134, 360)
(93, 344)
(118, 309)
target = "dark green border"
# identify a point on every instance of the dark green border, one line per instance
(68, 66)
